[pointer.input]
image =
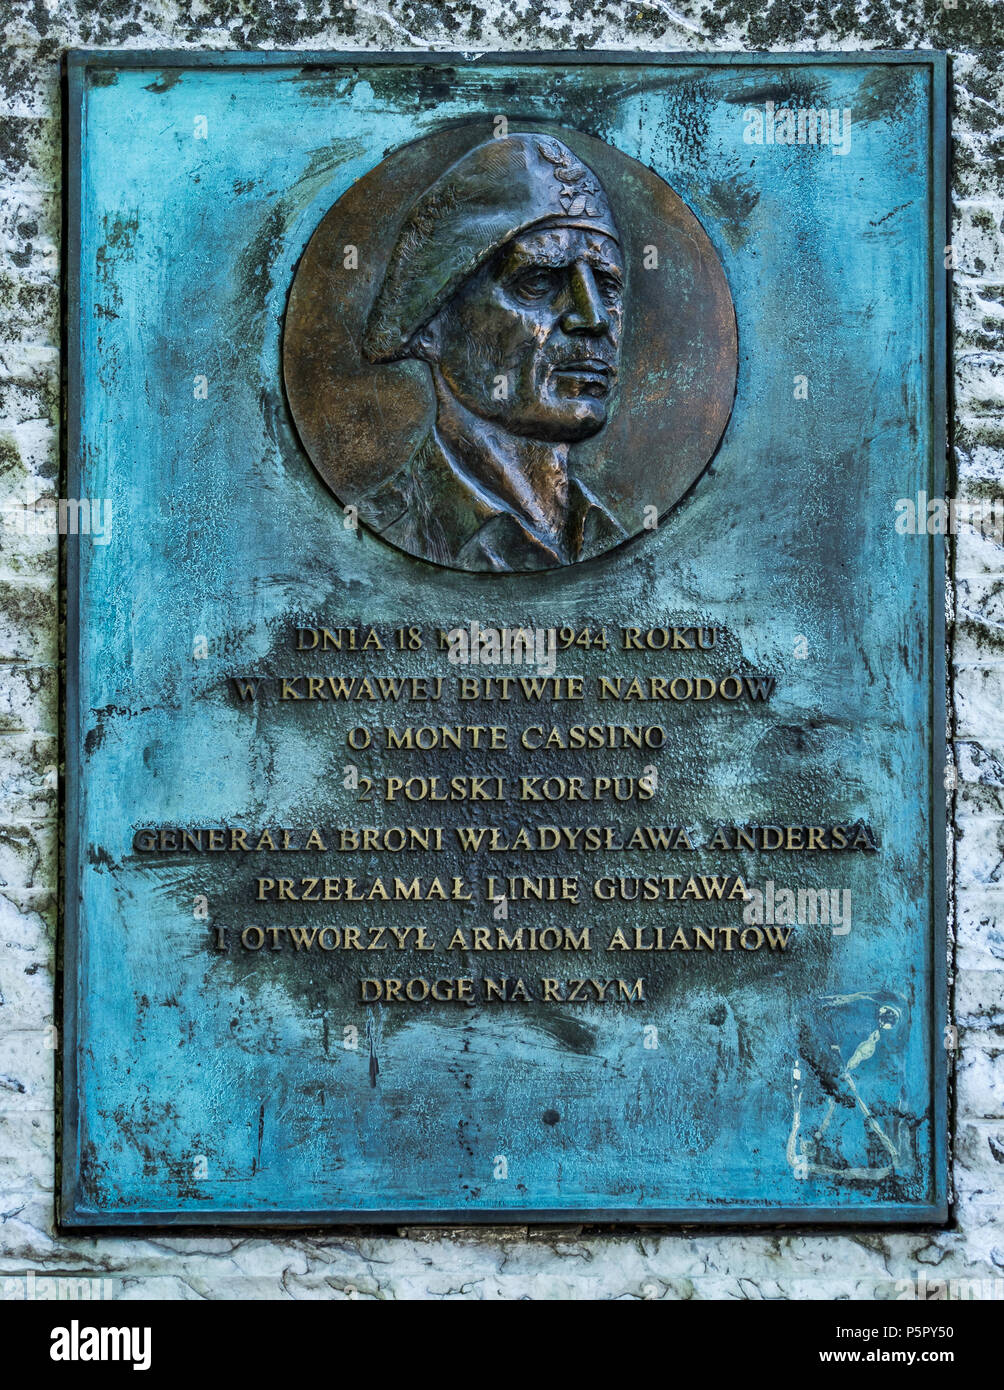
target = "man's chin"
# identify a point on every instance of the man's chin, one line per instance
(569, 423)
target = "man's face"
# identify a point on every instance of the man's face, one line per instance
(531, 340)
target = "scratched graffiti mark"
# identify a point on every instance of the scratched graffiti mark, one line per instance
(838, 1100)
(373, 1031)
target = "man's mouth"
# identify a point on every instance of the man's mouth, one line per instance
(591, 375)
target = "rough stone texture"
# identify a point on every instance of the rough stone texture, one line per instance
(515, 1263)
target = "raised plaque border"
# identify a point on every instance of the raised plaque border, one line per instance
(77, 64)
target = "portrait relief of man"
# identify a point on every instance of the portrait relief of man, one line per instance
(508, 354)
(507, 281)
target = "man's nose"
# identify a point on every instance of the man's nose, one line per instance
(586, 311)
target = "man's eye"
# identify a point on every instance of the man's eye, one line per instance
(535, 286)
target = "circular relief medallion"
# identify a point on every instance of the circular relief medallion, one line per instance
(512, 353)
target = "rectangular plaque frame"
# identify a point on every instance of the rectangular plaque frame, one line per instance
(98, 70)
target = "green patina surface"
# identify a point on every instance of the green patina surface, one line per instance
(222, 530)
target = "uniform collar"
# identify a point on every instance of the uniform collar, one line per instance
(450, 517)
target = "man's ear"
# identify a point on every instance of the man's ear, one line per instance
(426, 342)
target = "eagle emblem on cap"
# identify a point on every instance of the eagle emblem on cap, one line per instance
(578, 186)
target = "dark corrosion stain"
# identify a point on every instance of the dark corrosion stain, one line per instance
(167, 79)
(550, 1117)
(95, 736)
(731, 202)
(256, 1161)
(120, 232)
(569, 1033)
(462, 1138)
(93, 1169)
